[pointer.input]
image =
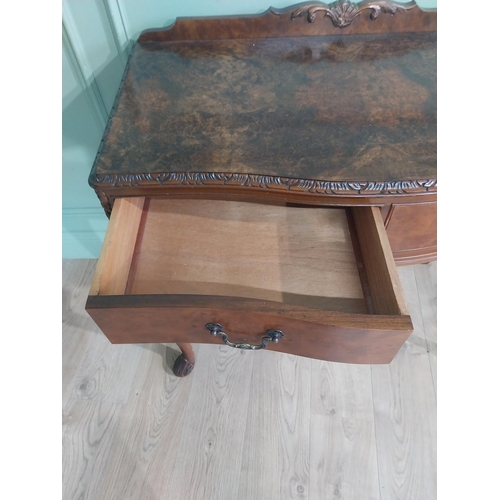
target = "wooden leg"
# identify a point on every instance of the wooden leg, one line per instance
(184, 364)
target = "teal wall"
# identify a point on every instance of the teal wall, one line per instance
(97, 35)
(94, 55)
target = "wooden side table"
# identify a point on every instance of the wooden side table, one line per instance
(264, 175)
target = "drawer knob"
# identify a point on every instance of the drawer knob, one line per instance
(271, 335)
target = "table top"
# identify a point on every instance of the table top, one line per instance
(339, 109)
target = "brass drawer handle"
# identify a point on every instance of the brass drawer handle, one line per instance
(271, 335)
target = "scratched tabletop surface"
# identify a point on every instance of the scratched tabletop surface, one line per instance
(356, 107)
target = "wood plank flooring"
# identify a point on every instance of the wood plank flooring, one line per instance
(245, 425)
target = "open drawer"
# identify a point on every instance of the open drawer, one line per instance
(325, 277)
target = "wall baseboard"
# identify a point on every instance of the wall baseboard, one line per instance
(83, 232)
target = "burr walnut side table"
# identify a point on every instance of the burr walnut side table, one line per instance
(264, 175)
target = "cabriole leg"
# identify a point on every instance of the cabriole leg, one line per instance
(184, 364)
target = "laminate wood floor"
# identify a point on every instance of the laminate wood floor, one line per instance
(246, 425)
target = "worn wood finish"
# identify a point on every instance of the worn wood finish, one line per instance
(284, 22)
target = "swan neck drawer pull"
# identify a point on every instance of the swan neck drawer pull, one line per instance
(271, 335)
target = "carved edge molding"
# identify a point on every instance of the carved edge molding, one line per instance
(343, 12)
(105, 202)
(366, 188)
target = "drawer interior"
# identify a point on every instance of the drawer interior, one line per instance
(310, 257)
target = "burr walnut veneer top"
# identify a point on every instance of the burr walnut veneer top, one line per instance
(351, 107)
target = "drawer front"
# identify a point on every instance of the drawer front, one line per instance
(324, 277)
(412, 232)
(167, 319)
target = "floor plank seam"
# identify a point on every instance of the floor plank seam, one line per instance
(389, 429)
(425, 326)
(375, 435)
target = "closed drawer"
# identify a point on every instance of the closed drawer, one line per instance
(412, 232)
(325, 277)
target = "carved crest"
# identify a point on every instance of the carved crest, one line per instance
(343, 12)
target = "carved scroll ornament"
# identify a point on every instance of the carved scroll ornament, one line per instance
(342, 12)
